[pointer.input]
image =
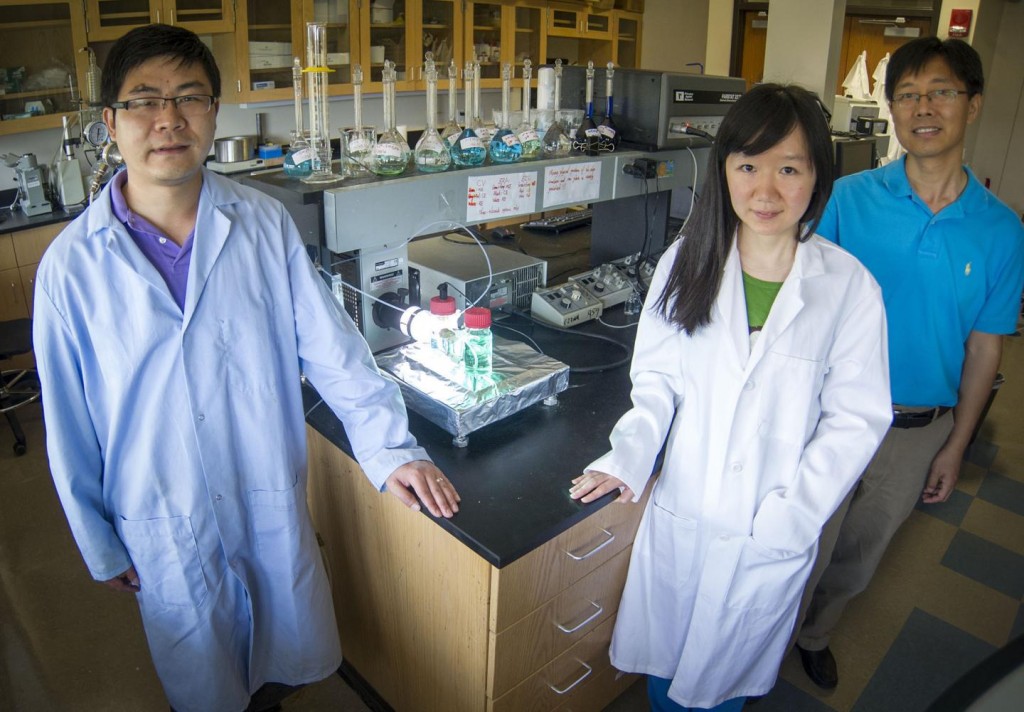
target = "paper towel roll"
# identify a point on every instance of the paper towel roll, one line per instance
(545, 88)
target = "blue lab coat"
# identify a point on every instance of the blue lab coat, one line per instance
(177, 440)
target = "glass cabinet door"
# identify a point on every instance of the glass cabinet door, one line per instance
(41, 70)
(441, 24)
(109, 19)
(386, 38)
(529, 39)
(266, 49)
(484, 23)
(336, 14)
(627, 40)
(202, 16)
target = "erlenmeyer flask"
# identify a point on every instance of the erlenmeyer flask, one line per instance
(391, 154)
(556, 142)
(527, 134)
(505, 146)
(431, 154)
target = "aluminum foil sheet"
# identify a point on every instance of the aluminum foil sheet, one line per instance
(442, 392)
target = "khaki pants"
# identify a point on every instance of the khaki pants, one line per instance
(854, 540)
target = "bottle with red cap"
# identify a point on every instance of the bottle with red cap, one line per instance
(476, 354)
(444, 317)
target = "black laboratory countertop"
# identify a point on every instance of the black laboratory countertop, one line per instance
(514, 476)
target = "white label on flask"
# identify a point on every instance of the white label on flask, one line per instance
(528, 135)
(358, 145)
(302, 155)
(510, 140)
(592, 132)
(471, 142)
(606, 131)
(387, 150)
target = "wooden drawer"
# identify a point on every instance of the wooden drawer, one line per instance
(597, 695)
(565, 679)
(7, 260)
(525, 584)
(527, 645)
(29, 245)
(12, 295)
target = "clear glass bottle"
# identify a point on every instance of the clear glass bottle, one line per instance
(478, 343)
(358, 142)
(556, 142)
(505, 146)
(319, 126)
(298, 161)
(608, 136)
(587, 136)
(526, 132)
(468, 149)
(451, 130)
(431, 154)
(391, 154)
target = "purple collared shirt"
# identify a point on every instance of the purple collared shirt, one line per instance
(170, 260)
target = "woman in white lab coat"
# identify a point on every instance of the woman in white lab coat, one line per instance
(760, 366)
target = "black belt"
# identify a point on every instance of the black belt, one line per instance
(918, 419)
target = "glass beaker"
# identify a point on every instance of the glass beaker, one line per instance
(357, 150)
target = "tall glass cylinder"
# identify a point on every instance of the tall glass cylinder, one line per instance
(505, 146)
(391, 154)
(451, 129)
(316, 83)
(431, 154)
(556, 142)
(467, 149)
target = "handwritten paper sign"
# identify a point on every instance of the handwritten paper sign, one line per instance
(576, 183)
(491, 197)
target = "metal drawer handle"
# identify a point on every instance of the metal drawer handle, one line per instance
(578, 680)
(589, 618)
(603, 544)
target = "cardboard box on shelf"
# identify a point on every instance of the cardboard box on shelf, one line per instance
(269, 61)
(272, 48)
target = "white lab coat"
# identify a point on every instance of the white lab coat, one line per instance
(762, 445)
(177, 441)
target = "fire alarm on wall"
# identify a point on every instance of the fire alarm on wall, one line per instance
(960, 23)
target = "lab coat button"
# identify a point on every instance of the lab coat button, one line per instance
(749, 385)
(219, 497)
(202, 417)
(737, 467)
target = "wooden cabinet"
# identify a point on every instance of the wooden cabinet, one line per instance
(109, 19)
(403, 34)
(433, 626)
(486, 38)
(578, 35)
(20, 253)
(39, 58)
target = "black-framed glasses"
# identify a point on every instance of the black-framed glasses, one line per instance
(150, 106)
(938, 97)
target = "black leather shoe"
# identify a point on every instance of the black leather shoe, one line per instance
(820, 666)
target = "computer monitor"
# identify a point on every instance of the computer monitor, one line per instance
(853, 155)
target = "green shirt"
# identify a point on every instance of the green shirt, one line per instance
(760, 296)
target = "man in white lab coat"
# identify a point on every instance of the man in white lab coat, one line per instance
(172, 321)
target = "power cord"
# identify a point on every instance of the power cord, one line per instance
(600, 368)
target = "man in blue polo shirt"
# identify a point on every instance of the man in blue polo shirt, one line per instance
(949, 257)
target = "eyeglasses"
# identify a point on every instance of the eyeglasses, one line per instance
(938, 97)
(190, 105)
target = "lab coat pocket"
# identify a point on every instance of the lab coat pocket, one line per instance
(790, 386)
(166, 558)
(767, 581)
(277, 517)
(671, 541)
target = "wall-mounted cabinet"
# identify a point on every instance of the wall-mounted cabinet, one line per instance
(626, 31)
(578, 35)
(109, 19)
(39, 60)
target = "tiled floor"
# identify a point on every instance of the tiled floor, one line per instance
(949, 592)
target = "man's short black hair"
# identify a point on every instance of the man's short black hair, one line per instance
(142, 44)
(914, 55)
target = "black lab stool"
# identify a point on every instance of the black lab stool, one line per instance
(18, 387)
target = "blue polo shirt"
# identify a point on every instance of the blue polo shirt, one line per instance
(942, 275)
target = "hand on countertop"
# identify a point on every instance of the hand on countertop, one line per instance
(429, 484)
(593, 485)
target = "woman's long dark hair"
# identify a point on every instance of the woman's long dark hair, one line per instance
(761, 118)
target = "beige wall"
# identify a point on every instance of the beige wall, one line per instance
(675, 33)
(719, 40)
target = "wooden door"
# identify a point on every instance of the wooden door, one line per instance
(866, 33)
(755, 39)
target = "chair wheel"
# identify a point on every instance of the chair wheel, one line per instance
(20, 449)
